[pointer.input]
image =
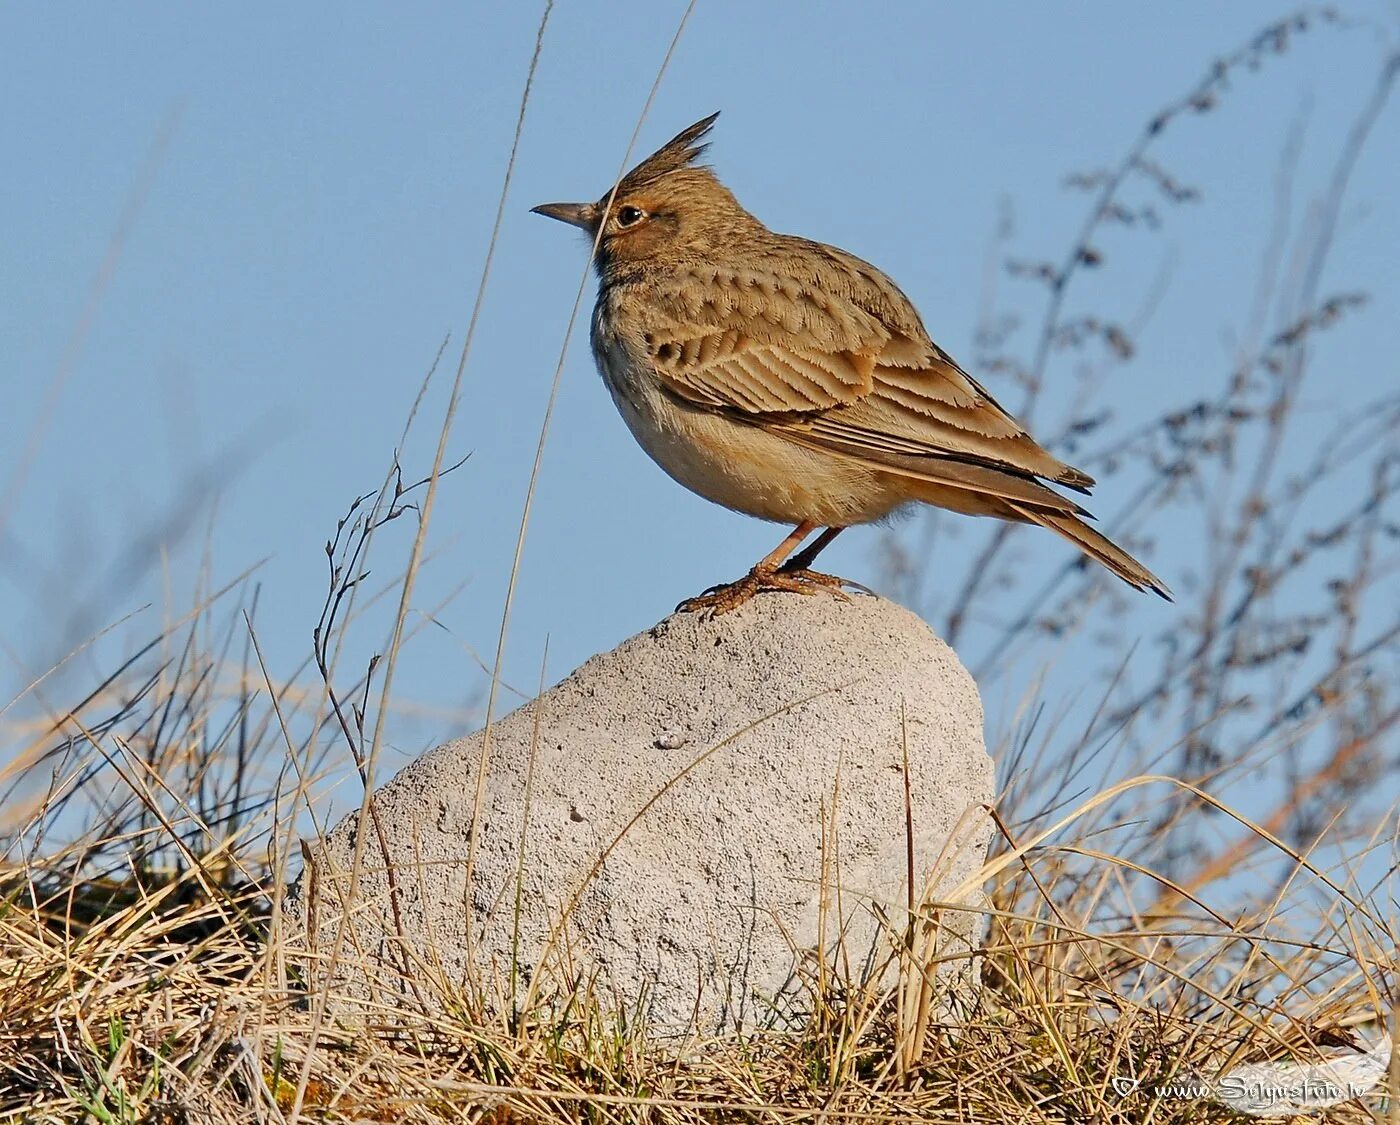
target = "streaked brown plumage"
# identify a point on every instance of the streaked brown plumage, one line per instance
(792, 381)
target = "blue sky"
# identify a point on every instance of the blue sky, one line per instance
(316, 224)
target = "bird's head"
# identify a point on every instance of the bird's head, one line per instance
(668, 208)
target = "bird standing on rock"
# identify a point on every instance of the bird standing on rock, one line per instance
(792, 381)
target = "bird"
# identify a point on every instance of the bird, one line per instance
(792, 381)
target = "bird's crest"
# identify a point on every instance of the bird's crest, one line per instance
(681, 151)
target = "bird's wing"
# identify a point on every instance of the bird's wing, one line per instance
(759, 343)
(822, 347)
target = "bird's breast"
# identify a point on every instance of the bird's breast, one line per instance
(738, 464)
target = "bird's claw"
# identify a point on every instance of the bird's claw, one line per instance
(730, 595)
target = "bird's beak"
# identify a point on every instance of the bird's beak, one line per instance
(575, 214)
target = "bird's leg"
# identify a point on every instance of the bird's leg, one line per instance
(770, 573)
(778, 555)
(801, 562)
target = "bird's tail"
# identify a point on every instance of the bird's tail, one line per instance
(1098, 547)
(985, 490)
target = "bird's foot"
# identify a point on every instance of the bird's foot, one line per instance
(762, 580)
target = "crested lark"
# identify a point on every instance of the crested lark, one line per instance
(794, 382)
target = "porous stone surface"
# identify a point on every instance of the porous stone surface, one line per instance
(710, 801)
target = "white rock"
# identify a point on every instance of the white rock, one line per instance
(732, 738)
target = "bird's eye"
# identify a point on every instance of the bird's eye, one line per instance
(630, 216)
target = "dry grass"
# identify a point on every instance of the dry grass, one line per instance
(145, 981)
